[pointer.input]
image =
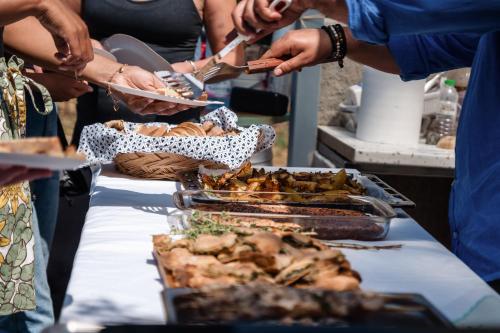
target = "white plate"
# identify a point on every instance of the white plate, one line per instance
(129, 50)
(155, 96)
(40, 161)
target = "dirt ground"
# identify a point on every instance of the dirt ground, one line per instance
(280, 149)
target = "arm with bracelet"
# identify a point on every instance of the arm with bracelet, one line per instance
(37, 47)
(333, 43)
(309, 47)
(373, 21)
(216, 15)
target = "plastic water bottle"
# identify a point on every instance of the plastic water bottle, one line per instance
(445, 122)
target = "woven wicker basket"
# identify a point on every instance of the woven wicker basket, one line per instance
(154, 165)
(164, 166)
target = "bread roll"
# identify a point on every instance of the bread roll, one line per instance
(168, 92)
(156, 131)
(119, 125)
(207, 126)
(216, 131)
(197, 130)
(447, 142)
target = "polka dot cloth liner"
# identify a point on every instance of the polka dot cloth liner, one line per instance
(101, 144)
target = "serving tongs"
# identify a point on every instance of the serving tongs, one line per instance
(184, 84)
(353, 246)
(223, 71)
(210, 72)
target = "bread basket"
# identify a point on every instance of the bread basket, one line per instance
(160, 151)
(158, 165)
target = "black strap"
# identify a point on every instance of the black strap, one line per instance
(61, 134)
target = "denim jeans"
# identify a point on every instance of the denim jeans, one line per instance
(43, 316)
(45, 192)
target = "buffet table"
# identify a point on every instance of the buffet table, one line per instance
(115, 279)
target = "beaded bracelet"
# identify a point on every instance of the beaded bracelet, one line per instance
(339, 43)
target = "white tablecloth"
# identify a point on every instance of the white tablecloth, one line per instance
(115, 280)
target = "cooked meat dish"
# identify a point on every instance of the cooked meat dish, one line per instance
(241, 256)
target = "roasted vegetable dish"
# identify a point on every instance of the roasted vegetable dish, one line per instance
(308, 186)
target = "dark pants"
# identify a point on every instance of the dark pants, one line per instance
(495, 285)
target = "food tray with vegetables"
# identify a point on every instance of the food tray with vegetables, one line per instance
(359, 218)
(311, 187)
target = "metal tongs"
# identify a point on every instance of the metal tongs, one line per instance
(212, 68)
(184, 84)
(222, 71)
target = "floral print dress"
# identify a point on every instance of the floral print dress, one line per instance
(16, 236)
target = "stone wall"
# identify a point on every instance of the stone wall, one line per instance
(334, 83)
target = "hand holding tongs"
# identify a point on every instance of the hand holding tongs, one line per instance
(210, 70)
(222, 71)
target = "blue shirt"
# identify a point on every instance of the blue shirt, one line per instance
(475, 200)
(376, 20)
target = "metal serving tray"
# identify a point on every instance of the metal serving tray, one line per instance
(362, 218)
(375, 187)
(401, 311)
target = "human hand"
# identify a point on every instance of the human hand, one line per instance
(249, 16)
(70, 35)
(183, 67)
(305, 47)
(138, 78)
(61, 87)
(10, 175)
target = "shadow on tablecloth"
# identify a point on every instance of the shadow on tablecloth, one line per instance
(151, 203)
